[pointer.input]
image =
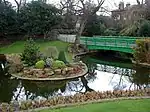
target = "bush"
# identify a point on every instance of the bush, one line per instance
(58, 64)
(144, 29)
(49, 62)
(40, 64)
(62, 56)
(31, 53)
(138, 28)
(51, 52)
(110, 32)
(142, 49)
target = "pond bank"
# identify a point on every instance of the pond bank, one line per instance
(141, 64)
(89, 97)
(87, 103)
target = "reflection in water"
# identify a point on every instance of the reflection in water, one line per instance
(7, 87)
(103, 75)
(141, 78)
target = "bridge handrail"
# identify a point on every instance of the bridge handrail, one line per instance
(127, 37)
(119, 44)
(83, 38)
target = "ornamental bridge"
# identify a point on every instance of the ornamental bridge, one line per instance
(114, 43)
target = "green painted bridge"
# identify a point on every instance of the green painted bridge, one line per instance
(120, 43)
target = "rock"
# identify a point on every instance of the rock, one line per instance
(35, 71)
(14, 63)
(26, 72)
(70, 68)
(57, 71)
(41, 72)
(47, 70)
(63, 72)
(50, 73)
(42, 76)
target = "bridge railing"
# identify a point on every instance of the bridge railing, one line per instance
(108, 42)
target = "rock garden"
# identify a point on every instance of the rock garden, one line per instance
(50, 64)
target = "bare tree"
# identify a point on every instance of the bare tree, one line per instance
(147, 2)
(140, 2)
(83, 9)
(19, 3)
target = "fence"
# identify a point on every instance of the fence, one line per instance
(67, 38)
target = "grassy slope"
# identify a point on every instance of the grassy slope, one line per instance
(117, 106)
(18, 47)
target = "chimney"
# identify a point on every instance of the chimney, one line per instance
(127, 5)
(121, 5)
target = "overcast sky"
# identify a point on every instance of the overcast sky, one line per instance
(109, 4)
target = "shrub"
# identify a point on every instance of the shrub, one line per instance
(31, 53)
(49, 62)
(51, 52)
(58, 64)
(110, 32)
(62, 56)
(141, 53)
(144, 29)
(40, 64)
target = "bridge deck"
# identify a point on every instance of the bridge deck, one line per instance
(109, 43)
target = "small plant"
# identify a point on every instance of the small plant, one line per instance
(58, 64)
(31, 53)
(40, 64)
(51, 52)
(49, 62)
(62, 57)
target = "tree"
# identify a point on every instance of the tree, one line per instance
(138, 28)
(144, 29)
(39, 18)
(95, 26)
(147, 2)
(88, 8)
(7, 18)
(19, 3)
(69, 14)
(84, 9)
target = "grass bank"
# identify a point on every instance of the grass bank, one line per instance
(18, 47)
(141, 105)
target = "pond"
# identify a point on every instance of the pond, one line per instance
(105, 73)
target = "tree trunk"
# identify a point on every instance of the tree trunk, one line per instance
(82, 26)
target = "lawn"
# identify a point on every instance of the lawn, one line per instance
(142, 105)
(18, 47)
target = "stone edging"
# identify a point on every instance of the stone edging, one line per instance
(84, 103)
(142, 64)
(52, 79)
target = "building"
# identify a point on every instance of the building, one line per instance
(127, 14)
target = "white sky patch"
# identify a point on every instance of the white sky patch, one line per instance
(108, 81)
(109, 4)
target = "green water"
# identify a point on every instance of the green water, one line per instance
(105, 73)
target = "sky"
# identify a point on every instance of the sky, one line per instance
(109, 4)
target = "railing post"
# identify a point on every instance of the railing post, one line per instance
(94, 41)
(104, 42)
(127, 43)
(115, 42)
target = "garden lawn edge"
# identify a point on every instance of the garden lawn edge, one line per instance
(88, 102)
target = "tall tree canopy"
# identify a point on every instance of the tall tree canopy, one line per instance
(38, 17)
(7, 18)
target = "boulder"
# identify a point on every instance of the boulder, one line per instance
(57, 71)
(14, 62)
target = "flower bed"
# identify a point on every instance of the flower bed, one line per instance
(76, 99)
(70, 71)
